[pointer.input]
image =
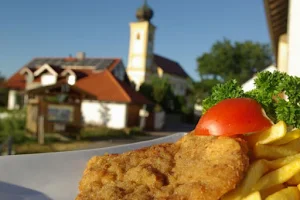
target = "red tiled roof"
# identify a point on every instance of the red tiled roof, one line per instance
(170, 66)
(107, 88)
(16, 81)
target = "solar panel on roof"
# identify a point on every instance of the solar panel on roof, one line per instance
(99, 63)
(104, 64)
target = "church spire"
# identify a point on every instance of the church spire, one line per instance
(144, 13)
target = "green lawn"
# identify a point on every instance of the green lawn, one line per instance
(23, 143)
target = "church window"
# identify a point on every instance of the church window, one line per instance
(138, 36)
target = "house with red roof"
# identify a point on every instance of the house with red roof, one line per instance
(111, 99)
(105, 79)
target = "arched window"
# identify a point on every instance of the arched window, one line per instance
(138, 36)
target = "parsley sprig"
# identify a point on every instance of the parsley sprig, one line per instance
(277, 92)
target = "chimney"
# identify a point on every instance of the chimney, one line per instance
(80, 55)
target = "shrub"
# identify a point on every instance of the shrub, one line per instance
(136, 131)
(98, 133)
(14, 125)
(102, 133)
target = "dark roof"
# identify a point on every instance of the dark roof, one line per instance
(170, 66)
(56, 68)
(80, 73)
(277, 18)
(98, 63)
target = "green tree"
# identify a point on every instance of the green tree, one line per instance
(228, 60)
(159, 90)
(2, 78)
(147, 90)
(3, 91)
(239, 60)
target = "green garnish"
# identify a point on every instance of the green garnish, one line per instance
(269, 91)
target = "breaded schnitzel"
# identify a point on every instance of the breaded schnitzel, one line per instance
(194, 168)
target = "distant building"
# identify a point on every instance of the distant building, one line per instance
(105, 79)
(144, 63)
(283, 17)
(101, 85)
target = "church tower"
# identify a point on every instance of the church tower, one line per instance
(140, 56)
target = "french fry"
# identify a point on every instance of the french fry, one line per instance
(278, 176)
(273, 152)
(275, 171)
(266, 192)
(253, 196)
(275, 164)
(290, 136)
(290, 193)
(295, 180)
(293, 145)
(274, 133)
(255, 172)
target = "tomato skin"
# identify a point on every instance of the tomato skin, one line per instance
(233, 117)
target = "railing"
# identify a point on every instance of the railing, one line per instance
(8, 143)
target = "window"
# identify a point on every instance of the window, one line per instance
(71, 79)
(138, 36)
(48, 79)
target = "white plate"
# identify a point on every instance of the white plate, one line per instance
(54, 175)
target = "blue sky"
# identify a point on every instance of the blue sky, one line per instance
(185, 29)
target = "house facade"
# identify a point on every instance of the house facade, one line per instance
(115, 104)
(283, 17)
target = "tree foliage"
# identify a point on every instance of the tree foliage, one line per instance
(228, 60)
(159, 90)
(239, 60)
(2, 77)
(3, 91)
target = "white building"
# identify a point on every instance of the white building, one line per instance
(283, 17)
